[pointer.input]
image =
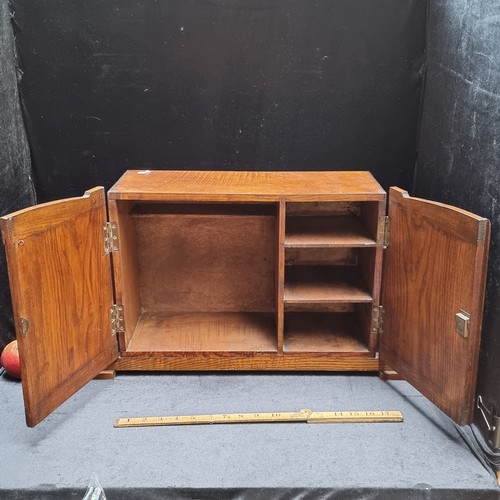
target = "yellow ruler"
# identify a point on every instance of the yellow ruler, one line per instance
(309, 416)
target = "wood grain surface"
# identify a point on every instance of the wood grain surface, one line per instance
(435, 266)
(61, 286)
(244, 186)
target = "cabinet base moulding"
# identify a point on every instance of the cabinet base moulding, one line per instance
(249, 362)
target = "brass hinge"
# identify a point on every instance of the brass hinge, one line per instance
(378, 319)
(117, 319)
(384, 231)
(110, 237)
(493, 426)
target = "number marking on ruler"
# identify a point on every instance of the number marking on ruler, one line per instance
(308, 416)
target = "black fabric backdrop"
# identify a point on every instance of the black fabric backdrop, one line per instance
(16, 189)
(459, 157)
(226, 84)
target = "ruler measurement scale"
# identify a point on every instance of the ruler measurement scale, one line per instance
(307, 416)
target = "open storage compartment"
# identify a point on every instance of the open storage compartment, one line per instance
(332, 259)
(198, 277)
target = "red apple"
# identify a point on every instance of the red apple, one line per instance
(10, 360)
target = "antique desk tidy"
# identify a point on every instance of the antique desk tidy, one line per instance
(213, 270)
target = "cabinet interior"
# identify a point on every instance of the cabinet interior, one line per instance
(279, 278)
(330, 283)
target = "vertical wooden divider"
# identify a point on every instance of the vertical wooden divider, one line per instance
(280, 276)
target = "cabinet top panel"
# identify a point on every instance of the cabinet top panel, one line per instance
(158, 185)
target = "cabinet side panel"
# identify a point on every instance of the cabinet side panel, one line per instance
(61, 288)
(126, 268)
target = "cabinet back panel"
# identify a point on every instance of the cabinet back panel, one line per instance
(206, 263)
(156, 208)
(327, 256)
(323, 208)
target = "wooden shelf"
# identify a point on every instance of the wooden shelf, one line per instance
(327, 231)
(323, 332)
(204, 332)
(324, 284)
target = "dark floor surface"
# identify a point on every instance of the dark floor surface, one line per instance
(423, 457)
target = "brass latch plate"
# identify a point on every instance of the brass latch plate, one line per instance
(462, 323)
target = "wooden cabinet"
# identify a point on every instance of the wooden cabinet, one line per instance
(192, 270)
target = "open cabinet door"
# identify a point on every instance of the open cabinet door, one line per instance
(433, 294)
(61, 288)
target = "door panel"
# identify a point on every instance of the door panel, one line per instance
(435, 266)
(61, 291)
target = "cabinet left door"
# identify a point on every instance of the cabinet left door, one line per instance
(61, 287)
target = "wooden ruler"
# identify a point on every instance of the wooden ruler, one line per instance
(308, 416)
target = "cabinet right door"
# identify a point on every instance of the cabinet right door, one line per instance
(433, 295)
